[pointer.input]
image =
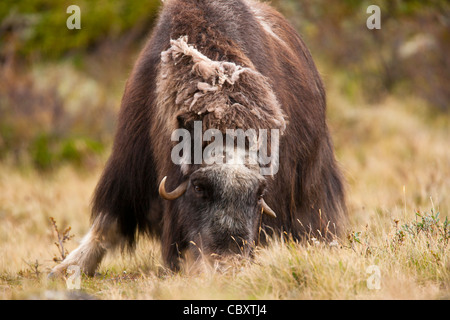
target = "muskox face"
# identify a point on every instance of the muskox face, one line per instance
(220, 208)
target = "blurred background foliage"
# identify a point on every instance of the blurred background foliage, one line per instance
(60, 89)
(408, 55)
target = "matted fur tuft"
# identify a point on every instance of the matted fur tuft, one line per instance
(222, 94)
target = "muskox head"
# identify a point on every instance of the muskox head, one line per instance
(220, 208)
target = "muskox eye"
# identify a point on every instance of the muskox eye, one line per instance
(198, 189)
(260, 197)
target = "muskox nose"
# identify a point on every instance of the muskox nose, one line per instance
(233, 229)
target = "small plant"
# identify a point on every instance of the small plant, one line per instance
(427, 224)
(33, 269)
(360, 244)
(354, 237)
(62, 239)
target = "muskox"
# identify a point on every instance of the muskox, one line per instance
(223, 64)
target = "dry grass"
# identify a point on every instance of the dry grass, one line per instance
(396, 160)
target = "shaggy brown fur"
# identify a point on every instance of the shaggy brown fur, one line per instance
(231, 64)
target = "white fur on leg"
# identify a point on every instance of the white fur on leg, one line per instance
(101, 237)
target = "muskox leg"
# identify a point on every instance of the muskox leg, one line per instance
(102, 236)
(171, 249)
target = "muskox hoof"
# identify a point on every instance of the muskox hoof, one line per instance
(63, 270)
(57, 272)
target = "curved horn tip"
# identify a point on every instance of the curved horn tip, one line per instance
(268, 210)
(162, 187)
(175, 194)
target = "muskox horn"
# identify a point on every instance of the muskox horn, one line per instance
(267, 210)
(175, 194)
